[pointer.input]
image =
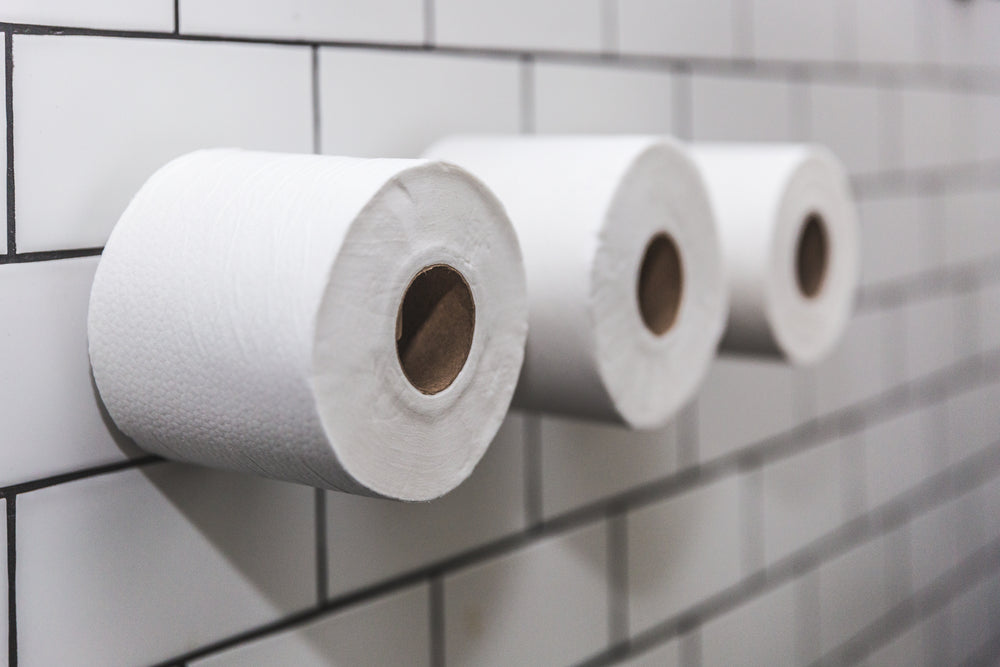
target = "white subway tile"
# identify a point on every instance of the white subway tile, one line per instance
(597, 98)
(971, 226)
(759, 632)
(898, 456)
(52, 419)
(667, 655)
(391, 104)
(853, 593)
(545, 604)
(740, 109)
(928, 126)
(138, 566)
(583, 462)
(97, 115)
(681, 551)
(802, 499)
(856, 370)
(106, 14)
(742, 402)
(677, 27)
(395, 21)
(887, 30)
(392, 630)
(797, 29)
(551, 25)
(895, 238)
(371, 539)
(973, 421)
(930, 336)
(846, 118)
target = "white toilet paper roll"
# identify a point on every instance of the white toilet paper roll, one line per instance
(625, 285)
(349, 324)
(789, 235)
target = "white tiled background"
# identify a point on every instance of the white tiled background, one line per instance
(848, 513)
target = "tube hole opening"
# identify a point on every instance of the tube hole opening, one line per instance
(434, 327)
(812, 256)
(660, 284)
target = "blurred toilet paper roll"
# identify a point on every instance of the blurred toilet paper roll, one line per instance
(789, 234)
(625, 286)
(345, 323)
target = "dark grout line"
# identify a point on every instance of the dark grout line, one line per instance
(317, 124)
(953, 77)
(935, 387)
(9, 105)
(177, 17)
(617, 577)
(322, 547)
(436, 622)
(682, 103)
(527, 91)
(13, 490)
(11, 583)
(45, 255)
(532, 426)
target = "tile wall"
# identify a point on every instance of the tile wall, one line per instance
(848, 513)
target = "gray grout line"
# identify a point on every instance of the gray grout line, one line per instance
(751, 489)
(689, 648)
(435, 599)
(682, 103)
(807, 613)
(322, 547)
(9, 134)
(609, 26)
(317, 118)
(526, 90)
(618, 617)
(533, 509)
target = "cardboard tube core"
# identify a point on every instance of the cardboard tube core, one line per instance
(811, 256)
(434, 328)
(661, 283)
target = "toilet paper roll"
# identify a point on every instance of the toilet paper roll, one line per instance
(625, 285)
(789, 235)
(345, 323)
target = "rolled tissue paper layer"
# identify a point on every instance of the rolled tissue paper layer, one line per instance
(790, 238)
(345, 323)
(625, 285)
